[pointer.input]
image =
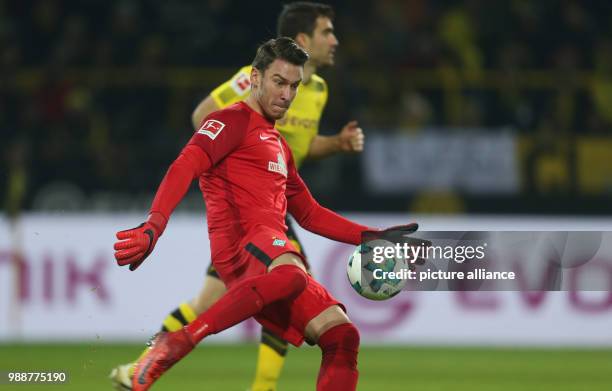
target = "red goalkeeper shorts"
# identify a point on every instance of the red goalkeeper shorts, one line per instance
(287, 319)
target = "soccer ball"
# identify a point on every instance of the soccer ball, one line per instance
(361, 267)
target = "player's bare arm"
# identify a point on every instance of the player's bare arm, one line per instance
(349, 140)
(205, 107)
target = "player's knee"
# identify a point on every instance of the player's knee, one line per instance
(343, 337)
(299, 280)
(351, 337)
(283, 282)
(295, 280)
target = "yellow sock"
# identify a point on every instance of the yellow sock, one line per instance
(178, 318)
(270, 361)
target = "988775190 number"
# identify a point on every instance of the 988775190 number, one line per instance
(13, 377)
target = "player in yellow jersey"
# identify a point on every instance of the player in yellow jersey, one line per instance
(310, 25)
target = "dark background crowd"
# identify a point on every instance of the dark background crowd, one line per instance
(96, 96)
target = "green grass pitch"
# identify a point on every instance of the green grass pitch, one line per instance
(230, 367)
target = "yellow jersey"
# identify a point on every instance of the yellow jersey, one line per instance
(301, 121)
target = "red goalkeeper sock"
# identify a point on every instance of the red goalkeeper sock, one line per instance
(340, 346)
(248, 298)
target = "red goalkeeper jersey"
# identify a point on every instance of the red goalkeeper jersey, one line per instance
(249, 180)
(249, 176)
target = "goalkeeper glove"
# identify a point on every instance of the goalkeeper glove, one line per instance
(134, 245)
(396, 234)
(399, 234)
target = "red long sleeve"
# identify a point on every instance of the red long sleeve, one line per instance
(315, 218)
(312, 216)
(190, 164)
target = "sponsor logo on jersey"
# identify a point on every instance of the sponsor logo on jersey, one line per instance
(212, 128)
(279, 165)
(292, 120)
(279, 243)
(242, 83)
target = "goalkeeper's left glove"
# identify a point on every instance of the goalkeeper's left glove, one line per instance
(135, 245)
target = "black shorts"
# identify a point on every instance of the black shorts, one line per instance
(291, 235)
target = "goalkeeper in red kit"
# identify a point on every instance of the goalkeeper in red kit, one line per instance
(249, 181)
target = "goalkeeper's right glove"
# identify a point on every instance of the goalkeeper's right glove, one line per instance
(396, 234)
(135, 245)
(400, 234)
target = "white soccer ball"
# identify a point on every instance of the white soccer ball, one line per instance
(361, 272)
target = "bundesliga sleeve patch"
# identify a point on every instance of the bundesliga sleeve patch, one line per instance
(212, 128)
(241, 83)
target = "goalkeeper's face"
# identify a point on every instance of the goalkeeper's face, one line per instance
(275, 88)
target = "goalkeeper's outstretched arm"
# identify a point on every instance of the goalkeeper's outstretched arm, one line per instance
(135, 244)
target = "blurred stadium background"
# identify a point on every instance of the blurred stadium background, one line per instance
(478, 115)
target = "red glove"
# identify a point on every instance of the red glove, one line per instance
(135, 245)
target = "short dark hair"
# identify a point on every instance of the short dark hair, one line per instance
(284, 48)
(301, 17)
